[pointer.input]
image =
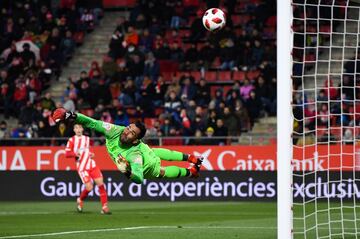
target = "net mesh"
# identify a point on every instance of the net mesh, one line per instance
(326, 109)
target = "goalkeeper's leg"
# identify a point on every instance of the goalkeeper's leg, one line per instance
(171, 155)
(178, 172)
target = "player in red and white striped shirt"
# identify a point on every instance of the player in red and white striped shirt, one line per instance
(78, 147)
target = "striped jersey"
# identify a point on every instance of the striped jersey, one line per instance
(81, 144)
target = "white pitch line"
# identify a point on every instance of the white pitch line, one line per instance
(25, 213)
(133, 228)
(6, 213)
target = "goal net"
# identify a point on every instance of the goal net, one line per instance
(326, 112)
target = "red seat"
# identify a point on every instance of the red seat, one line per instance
(87, 112)
(149, 122)
(159, 111)
(336, 131)
(168, 66)
(252, 74)
(210, 76)
(321, 131)
(170, 141)
(167, 76)
(238, 75)
(224, 76)
(185, 33)
(196, 75)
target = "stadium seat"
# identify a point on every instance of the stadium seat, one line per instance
(224, 76)
(252, 74)
(119, 3)
(321, 131)
(210, 76)
(176, 141)
(167, 76)
(168, 66)
(149, 122)
(196, 75)
(336, 131)
(184, 33)
(159, 111)
(88, 112)
(238, 75)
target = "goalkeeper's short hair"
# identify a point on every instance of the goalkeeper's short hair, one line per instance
(142, 128)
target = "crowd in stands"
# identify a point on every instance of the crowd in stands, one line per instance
(328, 111)
(162, 68)
(37, 38)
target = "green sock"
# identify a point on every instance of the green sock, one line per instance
(170, 155)
(176, 172)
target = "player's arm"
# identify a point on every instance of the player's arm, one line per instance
(69, 150)
(133, 170)
(104, 128)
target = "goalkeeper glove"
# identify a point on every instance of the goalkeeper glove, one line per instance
(61, 114)
(123, 166)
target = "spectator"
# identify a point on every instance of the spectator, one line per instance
(26, 115)
(47, 102)
(152, 67)
(221, 131)
(243, 117)
(116, 48)
(20, 132)
(4, 131)
(173, 87)
(202, 96)
(188, 89)
(63, 131)
(27, 55)
(127, 97)
(69, 104)
(245, 89)
(231, 122)
(172, 103)
(68, 45)
(121, 118)
(132, 38)
(209, 139)
(147, 93)
(254, 107)
(160, 91)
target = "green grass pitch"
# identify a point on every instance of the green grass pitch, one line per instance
(133, 220)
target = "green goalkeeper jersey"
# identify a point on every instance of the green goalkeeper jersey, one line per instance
(142, 159)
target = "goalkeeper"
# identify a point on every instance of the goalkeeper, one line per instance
(133, 157)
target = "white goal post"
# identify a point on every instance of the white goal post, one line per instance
(318, 119)
(284, 122)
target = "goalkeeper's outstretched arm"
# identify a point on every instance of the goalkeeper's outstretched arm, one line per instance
(102, 127)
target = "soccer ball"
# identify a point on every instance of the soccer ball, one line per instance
(214, 19)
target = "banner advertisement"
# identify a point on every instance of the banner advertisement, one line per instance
(234, 158)
(212, 185)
